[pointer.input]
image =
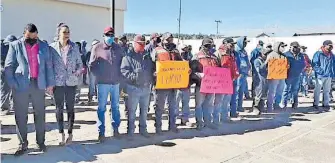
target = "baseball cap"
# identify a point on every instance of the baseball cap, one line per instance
(108, 30)
(260, 42)
(123, 37)
(303, 47)
(207, 41)
(167, 35)
(228, 40)
(269, 45)
(139, 38)
(327, 42)
(296, 44)
(283, 44)
(155, 35)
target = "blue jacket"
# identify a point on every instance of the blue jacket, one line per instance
(254, 55)
(297, 64)
(17, 66)
(242, 60)
(323, 65)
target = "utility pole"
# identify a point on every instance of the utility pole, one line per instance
(179, 19)
(113, 14)
(217, 27)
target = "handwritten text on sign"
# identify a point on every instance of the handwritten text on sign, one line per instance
(277, 68)
(216, 80)
(172, 74)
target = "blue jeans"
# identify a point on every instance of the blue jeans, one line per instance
(138, 96)
(225, 107)
(279, 92)
(184, 96)
(246, 90)
(204, 104)
(217, 108)
(291, 89)
(233, 110)
(92, 85)
(273, 91)
(325, 84)
(241, 86)
(304, 78)
(103, 91)
(161, 96)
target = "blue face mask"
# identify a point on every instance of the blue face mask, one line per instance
(109, 40)
(212, 50)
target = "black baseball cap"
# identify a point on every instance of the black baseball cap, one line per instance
(303, 47)
(207, 41)
(228, 40)
(295, 44)
(260, 42)
(327, 42)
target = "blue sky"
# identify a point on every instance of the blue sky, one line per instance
(248, 17)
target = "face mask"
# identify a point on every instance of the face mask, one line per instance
(158, 40)
(281, 49)
(109, 40)
(170, 46)
(139, 48)
(212, 50)
(296, 50)
(31, 41)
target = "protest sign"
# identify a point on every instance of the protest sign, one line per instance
(277, 68)
(172, 74)
(216, 80)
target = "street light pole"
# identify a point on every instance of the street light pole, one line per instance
(179, 19)
(217, 27)
(113, 14)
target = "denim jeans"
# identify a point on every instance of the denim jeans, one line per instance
(246, 90)
(274, 86)
(279, 92)
(241, 86)
(162, 95)
(225, 107)
(92, 85)
(204, 104)
(291, 89)
(304, 78)
(138, 96)
(183, 95)
(261, 89)
(233, 110)
(218, 98)
(103, 91)
(325, 84)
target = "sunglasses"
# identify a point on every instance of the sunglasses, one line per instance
(109, 35)
(66, 32)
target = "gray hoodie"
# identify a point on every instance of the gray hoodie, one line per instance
(276, 54)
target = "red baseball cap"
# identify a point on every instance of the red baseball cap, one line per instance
(139, 39)
(108, 30)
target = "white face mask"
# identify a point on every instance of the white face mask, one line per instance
(281, 49)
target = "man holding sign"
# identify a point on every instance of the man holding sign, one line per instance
(204, 101)
(165, 53)
(277, 71)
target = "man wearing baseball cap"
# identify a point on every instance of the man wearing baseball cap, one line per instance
(124, 43)
(204, 101)
(105, 64)
(296, 62)
(323, 64)
(137, 69)
(166, 52)
(254, 55)
(306, 73)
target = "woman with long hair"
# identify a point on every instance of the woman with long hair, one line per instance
(67, 67)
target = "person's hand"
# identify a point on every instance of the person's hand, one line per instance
(189, 71)
(77, 73)
(200, 75)
(50, 90)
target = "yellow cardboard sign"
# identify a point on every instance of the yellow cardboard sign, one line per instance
(277, 68)
(172, 74)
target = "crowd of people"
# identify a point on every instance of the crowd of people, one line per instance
(31, 67)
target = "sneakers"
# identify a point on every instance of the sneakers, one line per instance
(69, 139)
(4, 112)
(102, 138)
(21, 150)
(145, 134)
(42, 148)
(116, 133)
(61, 139)
(212, 126)
(200, 127)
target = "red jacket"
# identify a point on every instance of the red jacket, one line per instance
(228, 61)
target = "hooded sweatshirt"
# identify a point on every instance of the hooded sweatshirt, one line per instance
(323, 64)
(275, 54)
(297, 64)
(254, 55)
(242, 60)
(227, 60)
(5, 47)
